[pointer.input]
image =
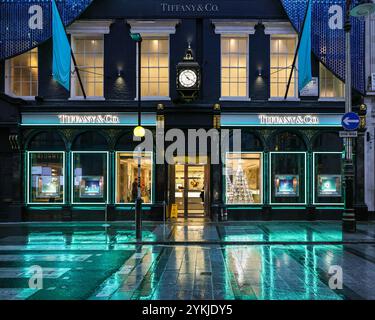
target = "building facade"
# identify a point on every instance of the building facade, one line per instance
(370, 103)
(69, 158)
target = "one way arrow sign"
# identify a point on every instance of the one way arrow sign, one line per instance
(350, 121)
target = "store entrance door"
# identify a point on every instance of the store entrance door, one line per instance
(191, 190)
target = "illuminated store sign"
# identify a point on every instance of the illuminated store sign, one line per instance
(288, 119)
(280, 120)
(87, 119)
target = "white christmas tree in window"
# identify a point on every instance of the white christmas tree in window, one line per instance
(241, 191)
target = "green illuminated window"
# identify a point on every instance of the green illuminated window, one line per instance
(244, 178)
(328, 178)
(127, 177)
(288, 178)
(90, 177)
(46, 177)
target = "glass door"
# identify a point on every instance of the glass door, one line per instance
(195, 190)
(190, 193)
(180, 188)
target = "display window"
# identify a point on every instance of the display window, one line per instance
(288, 178)
(127, 177)
(89, 177)
(244, 178)
(328, 178)
(46, 177)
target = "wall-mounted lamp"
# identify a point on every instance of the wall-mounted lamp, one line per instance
(259, 72)
(119, 73)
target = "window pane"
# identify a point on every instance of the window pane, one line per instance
(281, 61)
(155, 67)
(243, 174)
(225, 45)
(225, 89)
(127, 177)
(46, 177)
(90, 62)
(23, 74)
(234, 66)
(90, 177)
(328, 178)
(330, 85)
(288, 178)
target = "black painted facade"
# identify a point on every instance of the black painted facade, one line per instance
(119, 51)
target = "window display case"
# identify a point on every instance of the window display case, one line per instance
(46, 177)
(288, 178)
(328, 187)
(127, 177)
(91, 187)
(89, 177)
(286, 186)
(244, 178)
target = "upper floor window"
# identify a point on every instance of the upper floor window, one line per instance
(22, 74)
(234, 67)
(331, 87)
(282, 55)
(155, 67)
(89, 54)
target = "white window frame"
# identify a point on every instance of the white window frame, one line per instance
(8, 80)
(235, 29)
(153, 29)
(72, 178)
(271, 180)
(155, 98)
(314, 183)
(295, 73)
(262, 187)
(282, 29)
(230, 98)
(85, 28)
(29, 176)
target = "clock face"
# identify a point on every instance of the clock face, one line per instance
(188, 78)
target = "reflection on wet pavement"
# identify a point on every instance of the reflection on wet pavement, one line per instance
(254, 261)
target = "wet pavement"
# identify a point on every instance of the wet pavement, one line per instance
(187, 261)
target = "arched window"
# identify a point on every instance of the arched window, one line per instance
(328, 141)
(46, 169)
(46, 141)
(251, 142)
(244, 171)
(287, 141)
(125, 142)
(327, 154)
(288, 169)
(89, 141)
(90, 168)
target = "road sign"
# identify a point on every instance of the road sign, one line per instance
(348, 134)
(350, 121)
